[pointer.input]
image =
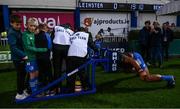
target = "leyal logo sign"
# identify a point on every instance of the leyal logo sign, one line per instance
(51, 18)
(51, 22)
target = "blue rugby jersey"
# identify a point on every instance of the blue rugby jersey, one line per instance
(140, 60)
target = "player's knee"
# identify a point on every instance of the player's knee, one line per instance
(143, 76)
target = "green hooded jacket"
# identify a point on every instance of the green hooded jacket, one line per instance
(29, 45)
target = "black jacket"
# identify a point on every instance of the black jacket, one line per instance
(42, 42)
(144, 36)
(156, 38)
(167, 33)
(16, 44)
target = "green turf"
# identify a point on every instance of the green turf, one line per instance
(4, 48)
(124, 90)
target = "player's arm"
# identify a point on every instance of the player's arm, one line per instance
(131, 61)
(28, 45)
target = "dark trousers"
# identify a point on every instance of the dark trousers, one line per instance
(157, 55)
(21, 76)
(73, 63)
(165, 50)
(45, 71)
(59, 54)
(145, 52)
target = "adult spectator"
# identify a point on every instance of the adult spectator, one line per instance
(156, 45)
(167, 37)
(144, 41)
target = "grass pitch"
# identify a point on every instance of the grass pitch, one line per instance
(114, 90)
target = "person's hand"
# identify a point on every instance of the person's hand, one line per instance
(156, 31)
(25, 58)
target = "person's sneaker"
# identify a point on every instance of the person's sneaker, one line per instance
(171, 83)
(20, 96)
(50, 93)
(26, 93)
(40, 95)
(58, 90)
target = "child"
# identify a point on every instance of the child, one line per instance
(30, 50)
(17, 54)
(43, 40)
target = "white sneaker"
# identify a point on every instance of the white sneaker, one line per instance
(25, 93)
(20, 96)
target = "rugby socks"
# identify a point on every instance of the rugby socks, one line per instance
(33, 84)
(167, 77)
(36, 83)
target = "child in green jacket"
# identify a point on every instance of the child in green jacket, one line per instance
(30, 50)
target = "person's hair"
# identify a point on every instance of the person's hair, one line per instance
(173, 24)
(147, 22)
(98, 36)
(42, 26)
(81, 29)
(164, 24)
(15, 18)
(66, 25)
(32, 21)
(167, 23)
(155, 22)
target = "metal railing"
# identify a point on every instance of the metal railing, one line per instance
(115, 38)
(3, 41)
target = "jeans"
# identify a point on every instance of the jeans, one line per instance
(156, 55)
